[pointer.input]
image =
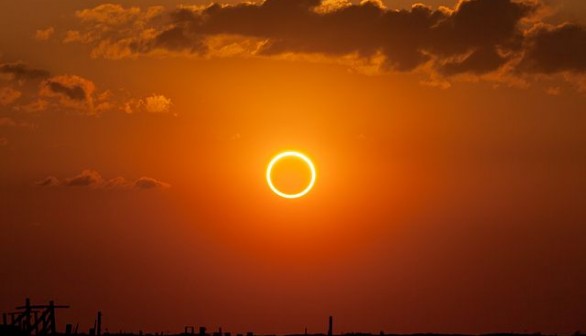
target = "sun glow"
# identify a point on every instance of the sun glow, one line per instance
(290, 154)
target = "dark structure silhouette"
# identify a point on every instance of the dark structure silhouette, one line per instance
(31, 320)
(39, 320)
(96, 330)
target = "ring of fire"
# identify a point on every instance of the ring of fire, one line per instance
(296, 155)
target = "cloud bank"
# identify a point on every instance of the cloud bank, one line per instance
(476, 37)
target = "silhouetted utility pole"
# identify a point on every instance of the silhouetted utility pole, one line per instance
(330, 327)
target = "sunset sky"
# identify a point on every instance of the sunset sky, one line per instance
(449, 140)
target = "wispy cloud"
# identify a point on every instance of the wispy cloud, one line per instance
(20, 71)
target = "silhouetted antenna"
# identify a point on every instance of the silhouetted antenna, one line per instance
(330, 326)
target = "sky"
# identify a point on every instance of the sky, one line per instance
(448, 137)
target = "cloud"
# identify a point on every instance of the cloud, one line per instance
(44, 34)
(20, 71)
(8, 95)
(155, 103)
(38, 91)
(552, 49)
(407, 38)
(115, 15)
(87, 178)
(68, 86)
(475, 37)
(149, 183)
(92, 179)
(115, 30)
(117, 183)
(49, 181)
(70, 91)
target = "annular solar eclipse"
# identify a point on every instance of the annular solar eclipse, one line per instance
(296, 155)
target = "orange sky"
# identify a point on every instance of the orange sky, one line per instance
(449, 143)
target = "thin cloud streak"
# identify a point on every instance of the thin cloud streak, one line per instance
(92, 179)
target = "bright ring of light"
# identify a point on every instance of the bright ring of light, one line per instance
(296, 155)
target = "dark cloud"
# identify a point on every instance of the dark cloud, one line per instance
(74, 88)
(481, 24)
(555, 49)
(474, 37)
(90, 178)
(478, 62)
(74, 92)
(406, 38)
(20, 71)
